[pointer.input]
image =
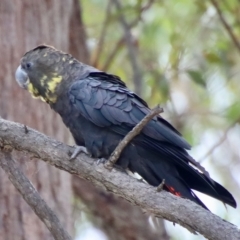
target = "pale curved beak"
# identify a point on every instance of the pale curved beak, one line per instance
(21, 77)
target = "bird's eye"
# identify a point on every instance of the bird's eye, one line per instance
(28, 65)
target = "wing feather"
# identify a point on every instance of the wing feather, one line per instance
(112, 105)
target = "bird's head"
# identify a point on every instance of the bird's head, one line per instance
(43, 68)
(41, 71)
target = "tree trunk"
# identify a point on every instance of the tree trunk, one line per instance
(23, 25)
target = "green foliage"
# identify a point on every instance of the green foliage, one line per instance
(197, 77)
(233, 112)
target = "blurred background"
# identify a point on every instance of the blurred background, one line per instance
(183, 55)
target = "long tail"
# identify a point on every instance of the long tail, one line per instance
(180, 179)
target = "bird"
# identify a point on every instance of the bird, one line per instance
(99, 110)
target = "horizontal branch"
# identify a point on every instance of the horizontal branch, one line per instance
(161, 204)
(32, 197)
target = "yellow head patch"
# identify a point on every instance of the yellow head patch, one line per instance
(48, 86)
(52, 84)
(34, 92)
(51, 89)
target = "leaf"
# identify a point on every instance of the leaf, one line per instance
(197, 77)
(233, 111)
(212, 58)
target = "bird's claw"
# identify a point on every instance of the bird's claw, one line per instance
(160, 186)
(77, 150)
(101, 160)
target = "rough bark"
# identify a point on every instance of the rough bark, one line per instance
(163, 204)
(23, 25)
(32, 197)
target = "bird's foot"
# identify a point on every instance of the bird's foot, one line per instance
(78, 150)
(105, 161)
(160, 186)
(101, 160)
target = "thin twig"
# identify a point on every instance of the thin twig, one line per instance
(32, 197)
(132, 49)
(218, 143)
(112, 55)
(134, 132)
(118, 45)
(226, 25)
(116, 49)
(102, 36)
